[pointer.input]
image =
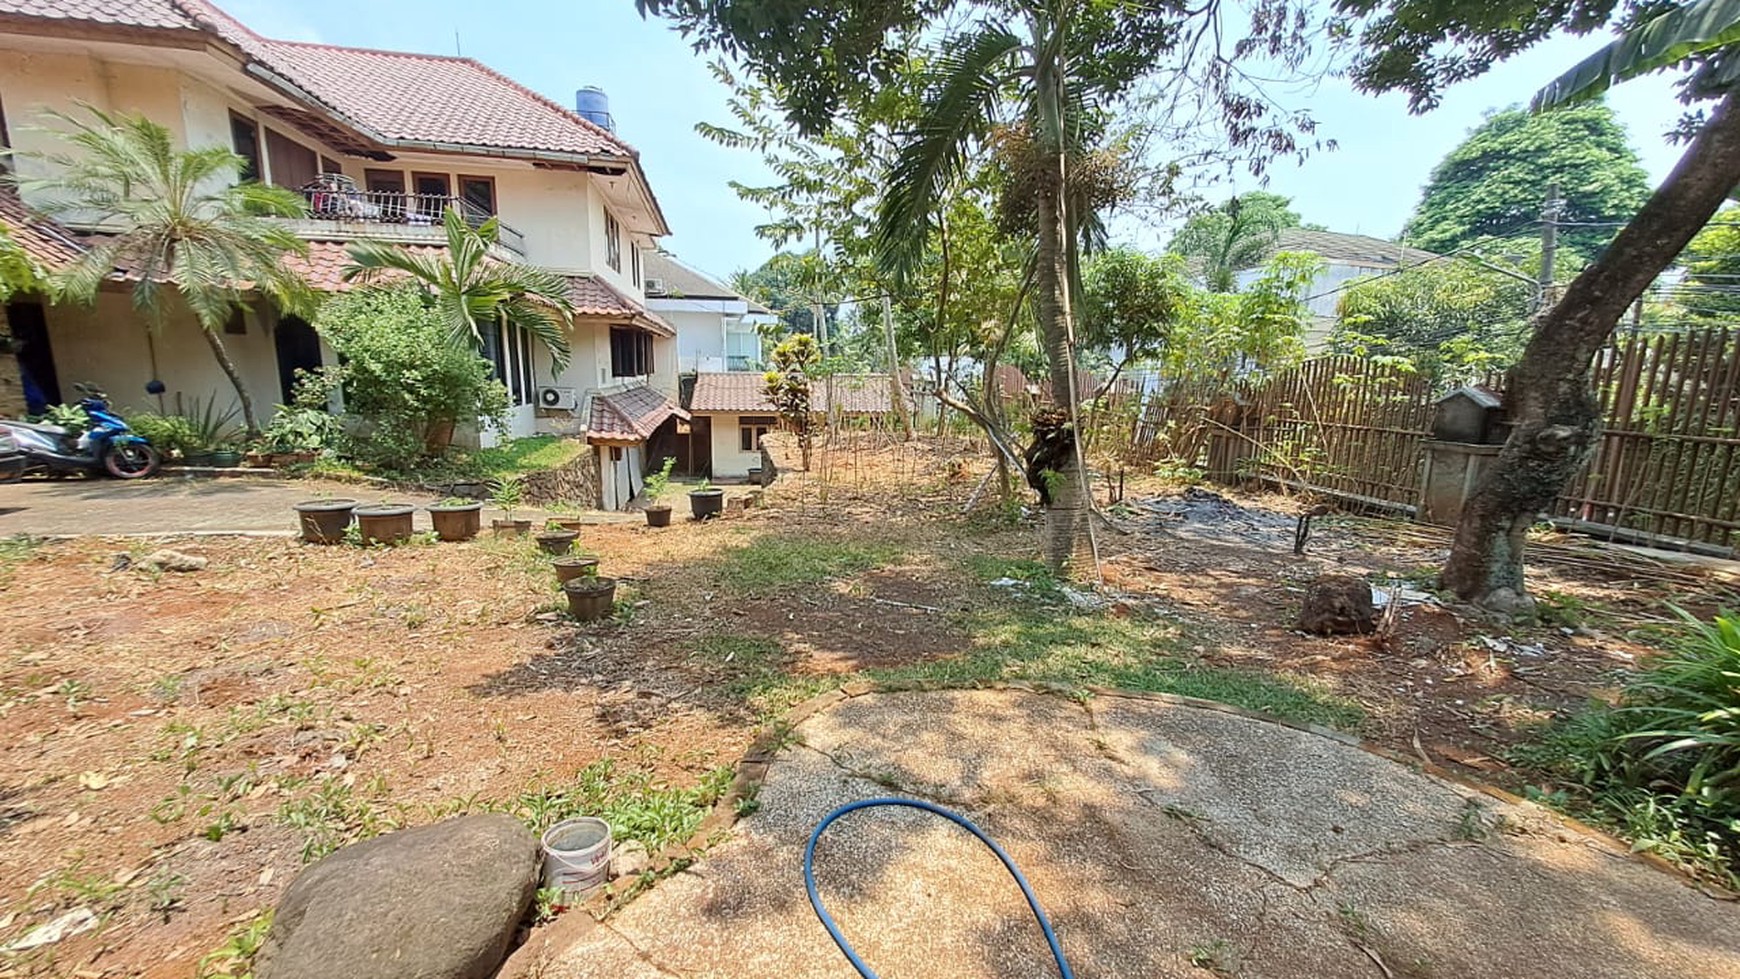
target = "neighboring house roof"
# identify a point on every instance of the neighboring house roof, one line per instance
(631, 415)
(1345, 249)
(682, 282)
(593, 296)
(152, 14)
(47, 243)
(745, 392)
(326, 260)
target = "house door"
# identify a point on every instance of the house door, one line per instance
(35, 356)
(298, 349)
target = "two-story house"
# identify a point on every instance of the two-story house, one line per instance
(380, 142)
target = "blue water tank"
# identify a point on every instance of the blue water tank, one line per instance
(594, 106)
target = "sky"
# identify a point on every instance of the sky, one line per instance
(659, 88)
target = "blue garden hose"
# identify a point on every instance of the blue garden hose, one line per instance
(1008, 864)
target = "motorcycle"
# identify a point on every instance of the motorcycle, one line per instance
(108, 445)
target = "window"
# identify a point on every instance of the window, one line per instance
(433, 191)
(750, 429)
(329, 165)
(509, 348)
(245, 138)
(384, 181)
(293, 165)
(631, 352)
(612, 242)
(478, 193)
(634, 255)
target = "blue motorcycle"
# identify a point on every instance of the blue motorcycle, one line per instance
(108, 445)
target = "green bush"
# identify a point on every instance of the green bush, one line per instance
(168, 433)
(399, 373)
(1663, 766)
(301, 429)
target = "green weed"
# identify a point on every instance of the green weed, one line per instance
(234, 959)
(332, 816)
(635, 804)
(773, 562)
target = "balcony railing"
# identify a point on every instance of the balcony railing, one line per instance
(404, 215)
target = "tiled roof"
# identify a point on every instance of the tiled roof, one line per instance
(745, 392)
(159, 14)
(326, 260)
(418, 98)
(593, 296)
(683, 282)
(631, 415)
(48, 244)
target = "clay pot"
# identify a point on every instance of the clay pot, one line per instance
(385, 523)
(324, 521)
(574, 566)
(458, 522)
(707, 503)
(658, 516)
(556, 541)
(589, 598)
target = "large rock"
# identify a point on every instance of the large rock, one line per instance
(437, 902)
(1338, 604)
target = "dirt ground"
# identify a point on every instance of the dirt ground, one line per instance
(173, 745)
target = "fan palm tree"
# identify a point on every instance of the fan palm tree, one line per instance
(471, 290)
(170, 218)
(1551, 403)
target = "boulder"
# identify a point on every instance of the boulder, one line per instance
(436, 902)
(168, 560)
(1338, 604)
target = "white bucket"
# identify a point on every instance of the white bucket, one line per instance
(577, 857)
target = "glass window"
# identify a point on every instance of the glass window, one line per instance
(245, 138)
(612, 242)
(5, 141)
(433, 191)
(634, 255)
(478, 193)
(631, 352)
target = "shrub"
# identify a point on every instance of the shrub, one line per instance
(301, 429)
(168, 433)
(1664, 764)
(400, 373)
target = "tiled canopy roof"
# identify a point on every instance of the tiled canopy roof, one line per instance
(592, 296)
(399, 97)
(324, 265)
(158, 14)
(48, 244)
(629, 416)
(745, 392)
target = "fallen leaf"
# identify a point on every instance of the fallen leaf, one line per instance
(95, 781)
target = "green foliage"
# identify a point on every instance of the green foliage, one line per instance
(1664, 765)
(776, 562)
(535, 453)
(637, 805)
(470, 292)
(73, 418)
(788, 284)
(1494, 183)
(788, 386)
(1457, 319)
(1132, 302)
(170, 434)
(18, 272)
(234, 959)
(211, 424)
(1263, 325)
(399, 374)
(1237, 235)
(1712, 264)
(301, 429)
(507, 494)
(658, 483)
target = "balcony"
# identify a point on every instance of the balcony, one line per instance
(344, 211)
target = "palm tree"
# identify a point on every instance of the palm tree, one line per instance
(471, 290)
(1554, 410)
(171, 217)
(1042, 71)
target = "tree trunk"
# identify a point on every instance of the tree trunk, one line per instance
(1555, 413)
(229, 367)
(1066, 515)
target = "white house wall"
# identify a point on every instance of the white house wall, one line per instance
(728, 459)
(107, 344)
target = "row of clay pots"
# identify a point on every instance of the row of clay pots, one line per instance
(703, 504)
(325, 521)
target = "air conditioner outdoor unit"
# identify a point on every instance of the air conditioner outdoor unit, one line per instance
(558, 399)
(655, 286)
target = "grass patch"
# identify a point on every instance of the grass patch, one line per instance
(539, 453)
(992, 567)
(14, 551)
(635, 804)
(772, 562)
(1043, 642)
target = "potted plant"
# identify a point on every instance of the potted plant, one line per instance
(706, 501)
(324, 521)
(456, 518)
(571, 566)
(658, 514)
(555, 539)
(507, 496)
(590, 598)
(385, 523)
(226, 456)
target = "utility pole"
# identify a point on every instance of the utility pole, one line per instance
(1550, 212)
(902, 411)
